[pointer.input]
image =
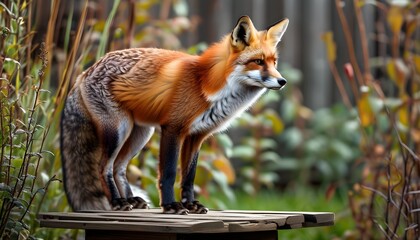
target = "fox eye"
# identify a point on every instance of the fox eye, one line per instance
(259, 61)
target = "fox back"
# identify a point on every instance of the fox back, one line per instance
(115, 105)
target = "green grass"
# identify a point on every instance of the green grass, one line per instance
(296, 200)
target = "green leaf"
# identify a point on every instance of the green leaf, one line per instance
(316, 144)
(268, 178)
(243, 152)
(376, 104)
(287, 164)
(13, 61)
(271, 156)
(49, 152)
(221, 179)
(17, 162)
(30, 177)
(393, 103)
(40, 191)
(248, 188)
(343, 151)
(20, 131)
(288, 110)
(19, 203)
(324, 168)
(224, 140)
(5, 188)
(292, 137)
(271, 96)
(267, 143)
(247, 172)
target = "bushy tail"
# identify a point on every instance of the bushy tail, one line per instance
(80, 155)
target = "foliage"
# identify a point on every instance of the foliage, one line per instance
(25, 119)
(324, 149)
(384, 203)
(316, 147)
(302, 146)
(257, 147)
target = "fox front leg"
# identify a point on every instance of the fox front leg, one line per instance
(189, 158)
(169, 152)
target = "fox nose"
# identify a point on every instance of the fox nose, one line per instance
(281, 81)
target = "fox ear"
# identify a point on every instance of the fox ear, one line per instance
(243, 33)
(276, 31)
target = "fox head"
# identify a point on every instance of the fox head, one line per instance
(255, 54)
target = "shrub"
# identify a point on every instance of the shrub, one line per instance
(24, 123)
(385, 203)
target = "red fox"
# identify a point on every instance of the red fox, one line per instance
(114, 106)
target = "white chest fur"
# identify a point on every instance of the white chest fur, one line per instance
(226, 105)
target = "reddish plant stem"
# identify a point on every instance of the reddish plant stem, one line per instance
(349, 42)
(363, 40)
(340, 85)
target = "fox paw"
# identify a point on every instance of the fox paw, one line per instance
(195, 207)
(138, 202)
(121, 204)
(175, 208)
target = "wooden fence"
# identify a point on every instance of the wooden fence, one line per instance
(301, 47)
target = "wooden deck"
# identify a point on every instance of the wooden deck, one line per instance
(152, 224)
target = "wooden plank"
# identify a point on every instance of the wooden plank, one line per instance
(224, 216)
(153, 220)
(124, 226)
(281, 219)
(95, 217)
(251, 227)
(314, 217)
(146, 215)
(171, 218)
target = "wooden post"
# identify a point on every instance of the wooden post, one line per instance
(317, 77)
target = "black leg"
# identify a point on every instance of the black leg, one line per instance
(190, 151)
(188, 181)
(169, 152)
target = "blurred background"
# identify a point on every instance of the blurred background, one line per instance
(343, 136)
